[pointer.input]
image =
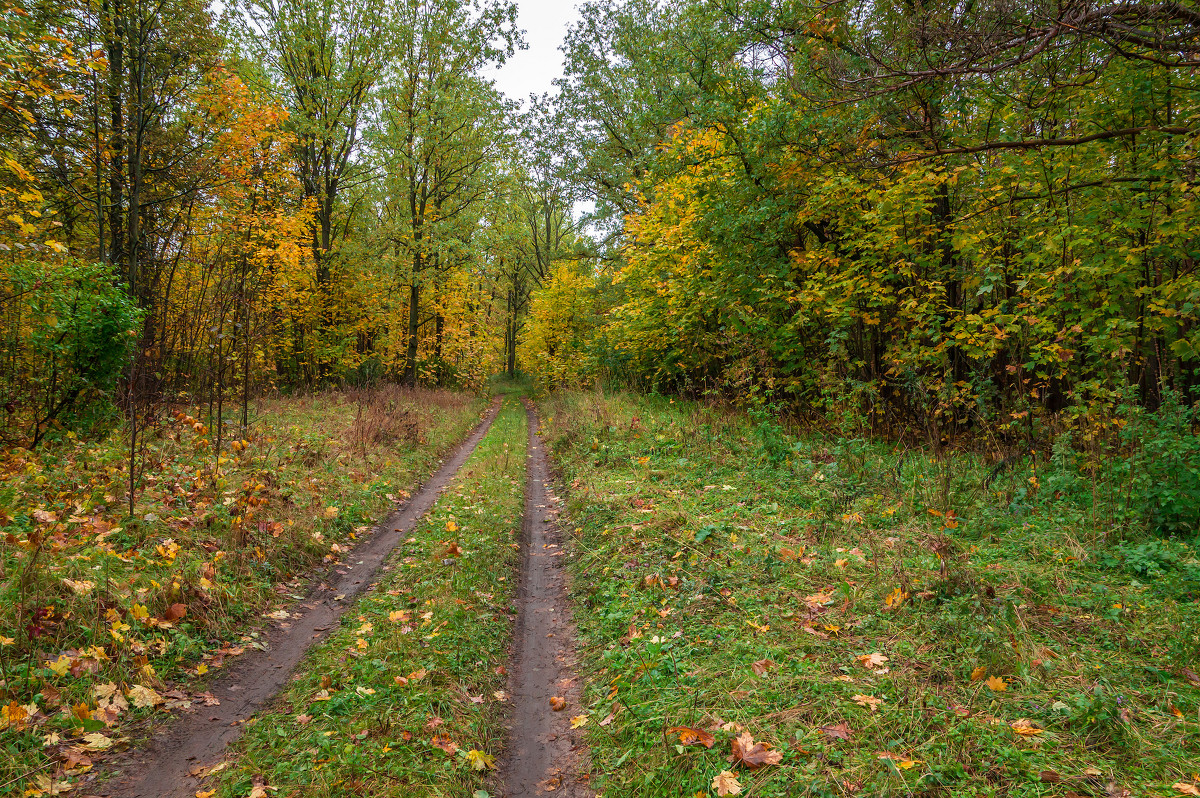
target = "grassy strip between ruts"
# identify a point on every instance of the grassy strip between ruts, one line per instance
(406, 697)
(107, 620)
(828, 625)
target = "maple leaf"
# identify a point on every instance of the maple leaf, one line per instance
(751, 754)
(894, 599)
(761, 667)
(175, 612)
(143, 696)
(690, 736)
(725, 783)
(558, 703)
(479, 760)
(840, 731)
(97, 742)
(978, 673)
(579, 721)
(871, 660)
(444, 742)
(996, 684)
(869, 701)
(1025, 728)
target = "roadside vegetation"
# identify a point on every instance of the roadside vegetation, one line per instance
(110, 617)
(407, 697)
(777, 614)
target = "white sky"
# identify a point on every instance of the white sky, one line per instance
(531, 71)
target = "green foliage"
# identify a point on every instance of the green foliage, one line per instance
(69, 330)
(921, 249)
(1166, 466)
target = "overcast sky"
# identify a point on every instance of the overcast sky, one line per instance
(531, 71)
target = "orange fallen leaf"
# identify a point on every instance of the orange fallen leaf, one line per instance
(869, 701)
(761, 667)
(690, 736)
(751, 754)
(978, 673)
(996, 684)
(558, 703)
(871, 660)
(444, 742)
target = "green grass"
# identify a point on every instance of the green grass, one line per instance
(707, 544)
(87, 590)
(422, 655)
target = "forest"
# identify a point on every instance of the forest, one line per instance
(920, 276)
(937, 221)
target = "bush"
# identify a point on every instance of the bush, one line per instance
(67, 331)
(1166, 467)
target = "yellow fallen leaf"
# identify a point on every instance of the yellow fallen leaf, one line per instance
(579, 721)
(978, 673)
(479, 760)
(725, 783)
(1025, 728)
(996, 684)
(143, 696)
(97, 742)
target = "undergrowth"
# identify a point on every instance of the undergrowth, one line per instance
(109, 617)
(886, 621)
(406, 697)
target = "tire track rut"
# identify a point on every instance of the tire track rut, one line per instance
(545, 755)
(162, 769)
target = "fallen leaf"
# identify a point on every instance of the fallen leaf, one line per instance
(558, 703)
(996, 684)
(690, 736)
(143, 696)
(868, 701)
(839, 731)
(579, 721)
(1186, 789)
(444, 742)
(304, 720)
(871, 660)
(175, 612)
(479, 760)
(1025, 728)
(97, 742)
(978, 673)
(725, 783)
(751, 754)
(761, 667)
